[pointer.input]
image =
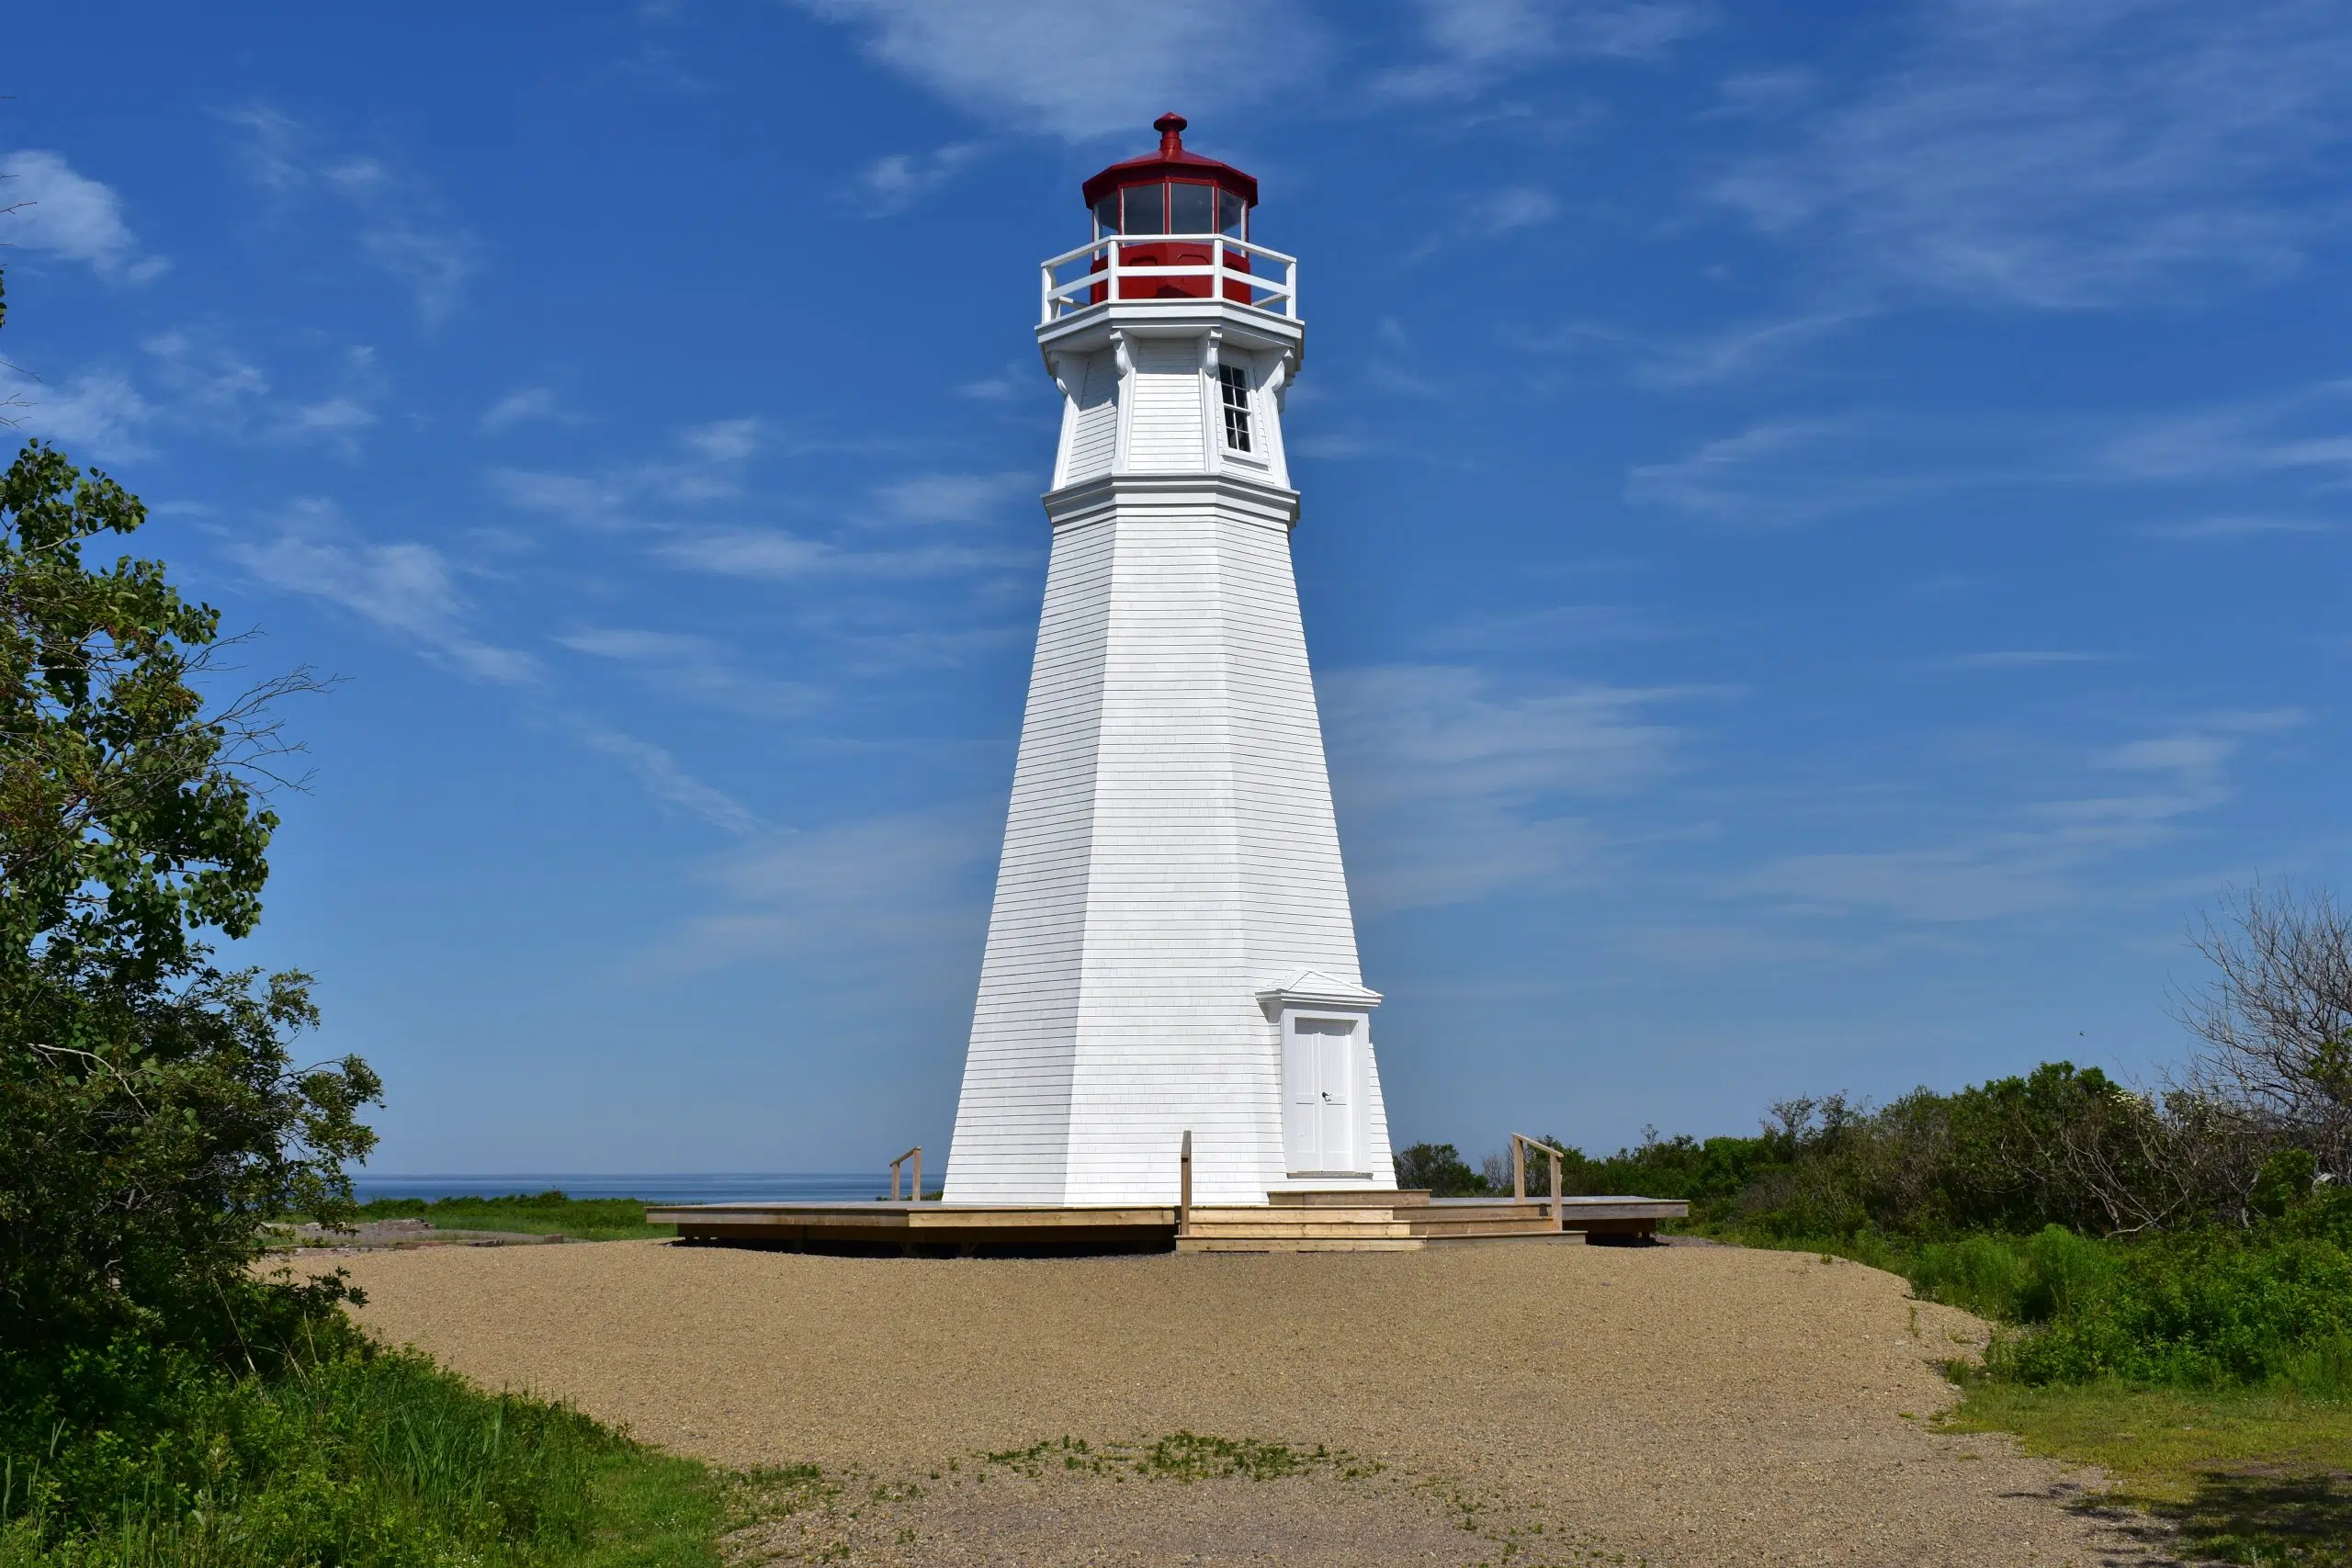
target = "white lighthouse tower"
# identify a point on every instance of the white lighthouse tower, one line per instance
(1171, 949)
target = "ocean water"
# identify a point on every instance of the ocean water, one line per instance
(722, 1187)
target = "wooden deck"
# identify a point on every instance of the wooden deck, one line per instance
(1335, 1221)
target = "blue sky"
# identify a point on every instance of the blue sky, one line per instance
(1825, 539)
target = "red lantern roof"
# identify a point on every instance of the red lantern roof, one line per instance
(1172, 162)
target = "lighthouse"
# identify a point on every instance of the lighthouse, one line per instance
(1170, 950)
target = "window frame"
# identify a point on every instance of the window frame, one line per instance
(1237, 406)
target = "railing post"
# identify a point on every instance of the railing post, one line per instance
(1559, 1210)
(915, 1155)
(1112, 273)
(1518, 1167)
(916, 1196)
(1045, 294)
(1184, 1185)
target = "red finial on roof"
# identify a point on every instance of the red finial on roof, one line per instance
(1170, 161)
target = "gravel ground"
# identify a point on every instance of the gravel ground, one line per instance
(1674, 1405)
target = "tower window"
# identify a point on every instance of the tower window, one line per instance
(1233, 385)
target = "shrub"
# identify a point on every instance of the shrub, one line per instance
(1438, 1169)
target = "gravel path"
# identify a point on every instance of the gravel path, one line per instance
(1678, 1404)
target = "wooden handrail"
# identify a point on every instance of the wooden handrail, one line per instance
(1519, 1144)
(915, 1155)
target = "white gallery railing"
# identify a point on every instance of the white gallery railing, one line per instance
(1108, 268)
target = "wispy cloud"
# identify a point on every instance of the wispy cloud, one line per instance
(1470, 45)
(694, 669)
(2238, 525)
(99, 413)
(209, 386)
(2019, 659)
(663, 777)
(2059, 153)
(2047, 853)
(526, 405)
(893, 183)
(843, 901)
(1558, 626)
(59, 212)
(2307, 432)
(1451, 790)
(952, 498)
(407, 588)
(707, 465)
(1095, 73)
(1763, 95)
(400, 227)
(1792, 472)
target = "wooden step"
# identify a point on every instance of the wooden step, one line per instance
(1348, 1198)
(1300, 1217)
(1276, 1230)
(1484, 1227)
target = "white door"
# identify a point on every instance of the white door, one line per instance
(1318, 1069)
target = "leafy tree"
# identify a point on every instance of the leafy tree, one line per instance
(151, 1115)
(1438, 1169)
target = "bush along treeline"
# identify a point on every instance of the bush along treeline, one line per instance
(2195, 1234)
(164, 1398)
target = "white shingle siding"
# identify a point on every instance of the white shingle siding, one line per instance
(1094, 421)
(1169, 851)
(1164, 415)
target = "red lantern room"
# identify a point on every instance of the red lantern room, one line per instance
(1175, 193)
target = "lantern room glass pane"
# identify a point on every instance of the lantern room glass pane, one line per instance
(1191, 210)
(1228, 213)
(1146, 211)
(1106, 215)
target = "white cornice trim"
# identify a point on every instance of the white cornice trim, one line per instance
(1259, 500)
(1312, 988)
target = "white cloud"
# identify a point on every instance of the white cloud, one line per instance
(1790, 472)
(767, 554)
(1471, 43)
(407, 588)
(64, 214)
(842, 901)
(772, 555)
(663, 778)
(1716, 478)
(1450, 791)
(711, 469)
(891, 185)
(1516, 207)
(1089, 71)
(1739, 351)
(2237, 526)
(399, 228)
(952, 498)
(2308, 432)
(2070, 153)
(212, 388)
(723, 440)
(522, 407)
(97, 415)
(1763, 95)
(2044, 856)
(696, 668)
(2019, 659)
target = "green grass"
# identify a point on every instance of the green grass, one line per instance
(380, 1460)
(2251, 1477)
(541, 1213)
